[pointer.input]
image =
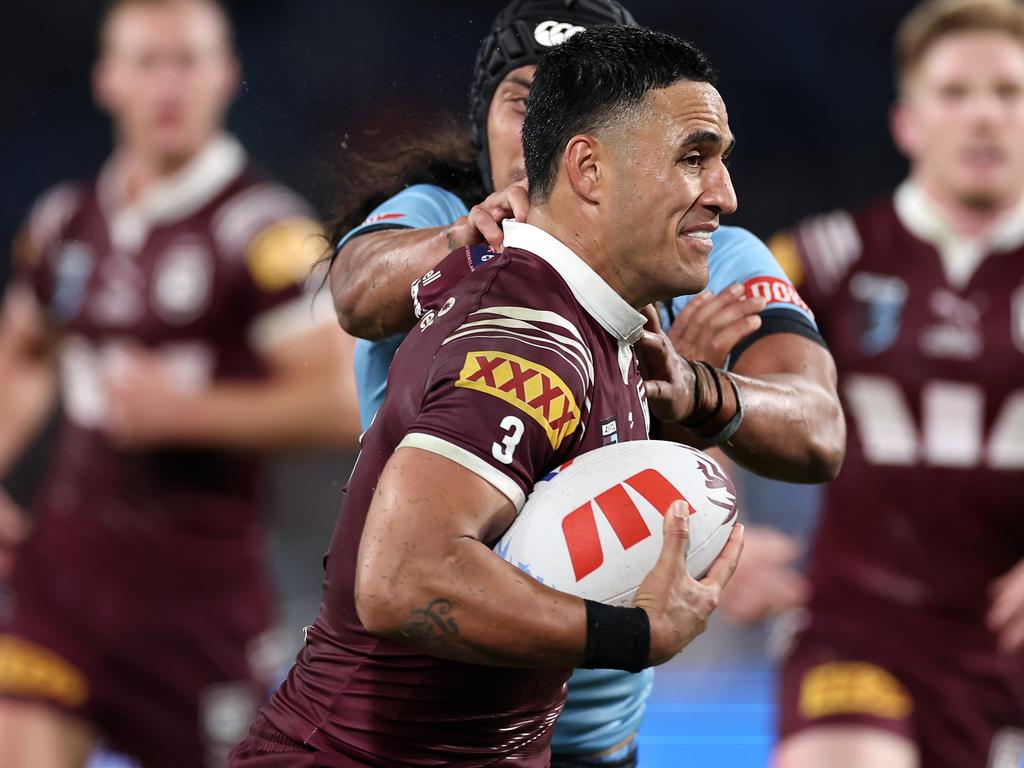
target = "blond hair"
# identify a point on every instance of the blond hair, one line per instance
(932, 20)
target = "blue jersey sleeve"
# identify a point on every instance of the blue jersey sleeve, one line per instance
(416, 207)
(739, 257)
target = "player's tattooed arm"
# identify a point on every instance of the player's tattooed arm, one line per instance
(432, 625)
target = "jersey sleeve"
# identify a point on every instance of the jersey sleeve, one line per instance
(276, 239)
(740, 258)
(817, 254)
(507, 388)
(35, 248)
(417, 207)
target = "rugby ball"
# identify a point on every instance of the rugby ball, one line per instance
(593, 527)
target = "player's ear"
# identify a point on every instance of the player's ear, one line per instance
(901, 124)
(583, 167)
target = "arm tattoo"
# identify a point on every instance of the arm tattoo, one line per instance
(432, 627)
(450, 237)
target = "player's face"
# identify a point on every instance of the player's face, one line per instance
(166, 77)
(669, 186)
(505, 126)
(962, 119)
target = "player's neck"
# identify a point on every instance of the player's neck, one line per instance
(581, 240)
(141, 170)
(967, 221)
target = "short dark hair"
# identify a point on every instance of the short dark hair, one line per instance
(594, 78)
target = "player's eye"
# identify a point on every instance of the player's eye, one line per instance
(692, 160)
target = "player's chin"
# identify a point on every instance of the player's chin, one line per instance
(692, 274)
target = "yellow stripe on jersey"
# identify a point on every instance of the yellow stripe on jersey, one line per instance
(853, 688)
(283, 254)
(27, 669)
(783, 248)
(534, 389)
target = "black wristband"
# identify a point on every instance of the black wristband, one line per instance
(617, 638)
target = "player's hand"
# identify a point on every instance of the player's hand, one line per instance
(145, 405)
(1006, 614)
(14, 527)
(709, 326)
(668, 378)
(766, 582)
(677, 604)
(483, 223)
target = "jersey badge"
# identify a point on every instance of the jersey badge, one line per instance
(880, 300)
(182, 283)
(534, 389)
(957, 335)
(74, 264)
(775, 291)
(609, 432)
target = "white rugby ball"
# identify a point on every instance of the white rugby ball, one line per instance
(593, 527)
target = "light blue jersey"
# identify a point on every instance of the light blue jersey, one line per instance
(604, 706)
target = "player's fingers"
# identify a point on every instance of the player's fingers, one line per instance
(488, 228)
(682, 325)
(676, 534)
(519, 202)
(726, 339)
(725, 564)
(1007, 600)
(1011, 637)
(653, 323)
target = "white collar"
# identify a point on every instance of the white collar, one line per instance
(185, 191)
(960, 255)
(595, 295)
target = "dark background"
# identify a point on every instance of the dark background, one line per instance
(808, 85)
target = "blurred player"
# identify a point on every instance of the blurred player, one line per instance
(429, 648)
(166, 297)
(913, 652)
(750, 320)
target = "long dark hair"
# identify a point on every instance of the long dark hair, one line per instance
(441, 154)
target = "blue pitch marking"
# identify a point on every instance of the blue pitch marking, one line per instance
(712, 716)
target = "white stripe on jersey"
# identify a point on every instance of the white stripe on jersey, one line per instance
(242, 216)
(830, 245)
(570, 349)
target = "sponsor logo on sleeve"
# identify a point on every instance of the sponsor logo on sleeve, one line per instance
(853, 688)
(534, 389)
(30, 670)
(775, 291)
(283, 254)
(382, 217)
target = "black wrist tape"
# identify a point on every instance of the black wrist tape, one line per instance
(707, 395)
(617, 638)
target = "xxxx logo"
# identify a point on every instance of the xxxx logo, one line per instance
(621, 512)
(533, 389)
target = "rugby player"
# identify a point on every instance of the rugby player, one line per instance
(913, 651)
(751, 319)
(166, 297)
(429, 648)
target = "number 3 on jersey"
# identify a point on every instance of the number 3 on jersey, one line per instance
(503, 451)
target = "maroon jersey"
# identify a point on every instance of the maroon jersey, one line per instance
(201, 271)
(927, 331)
(513, 372)
(141, 592)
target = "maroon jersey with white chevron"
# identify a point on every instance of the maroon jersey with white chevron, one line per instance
(516, 369)
(204, 271)
(927, 331)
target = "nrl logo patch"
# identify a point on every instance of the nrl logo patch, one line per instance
(534, 389)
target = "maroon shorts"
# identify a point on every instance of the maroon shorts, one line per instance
(156, 659)
(957, 703)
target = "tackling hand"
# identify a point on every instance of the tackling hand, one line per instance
(483, 223)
